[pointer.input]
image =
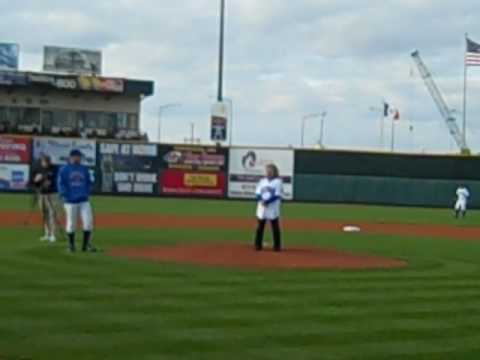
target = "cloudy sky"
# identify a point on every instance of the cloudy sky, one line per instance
(284, 59)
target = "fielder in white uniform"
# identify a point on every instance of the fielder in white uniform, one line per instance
(269, 198)
(462, 202)
(74, 186)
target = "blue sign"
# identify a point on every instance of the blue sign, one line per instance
(9, 56)
(12, 78)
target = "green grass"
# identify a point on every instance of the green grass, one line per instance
(57, 306)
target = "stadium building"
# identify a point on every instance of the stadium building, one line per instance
(81, 104)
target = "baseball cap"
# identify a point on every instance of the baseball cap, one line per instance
(75, 152)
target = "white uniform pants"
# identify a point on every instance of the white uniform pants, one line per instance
(72, 213)
(461, 205)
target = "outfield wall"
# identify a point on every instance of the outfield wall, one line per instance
(121, 168)
(380, 178)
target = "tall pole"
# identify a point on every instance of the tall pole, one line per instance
(322, 130)
(465, 75)
(382, 130)
(392, 145)
(192, 132)
(304, 121)
(381, 111)
(221, 51)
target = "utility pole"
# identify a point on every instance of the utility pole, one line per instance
(221, 51)
(192, 132)
(304, 122)
(322, 130)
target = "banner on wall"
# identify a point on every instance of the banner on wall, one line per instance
(128, 168)
(12, 78)
(59, 149)
(93, 83)
(247, 167)
(15, 150)
(14, 177)
(193, 171)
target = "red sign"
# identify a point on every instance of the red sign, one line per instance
(188, 183)
(15, 150)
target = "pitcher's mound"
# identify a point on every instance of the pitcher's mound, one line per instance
(244, 256)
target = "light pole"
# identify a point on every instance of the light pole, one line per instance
(192, 132)
(161, 109)
(322, 130)
(304, 121)
(221, 51)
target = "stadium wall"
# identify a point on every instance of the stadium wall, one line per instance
(122, 168)
(378, 178)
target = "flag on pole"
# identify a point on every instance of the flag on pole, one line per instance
(386, 108)
(396, 115)
(472, 56)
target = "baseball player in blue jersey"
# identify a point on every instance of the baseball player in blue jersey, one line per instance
(74, 187)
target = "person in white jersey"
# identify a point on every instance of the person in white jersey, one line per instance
(462, 201)
(269, 198)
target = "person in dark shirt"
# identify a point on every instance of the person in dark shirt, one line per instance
(45, 186)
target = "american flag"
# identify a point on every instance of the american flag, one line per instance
(472, 56)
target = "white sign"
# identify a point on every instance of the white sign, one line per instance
(14, 177)
(59, 149)
(149, 150)
(72, 61)
(247, 167)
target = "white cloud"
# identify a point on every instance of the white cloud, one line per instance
(283, 59)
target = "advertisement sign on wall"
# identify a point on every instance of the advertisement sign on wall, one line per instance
(11, 78)
(14, 177)
(247, 167)
(218, 127)
(9, 54)
(71, 60)
(128, 168)
(90, 83)
(193, 171)
(15, 150)
(59, 149)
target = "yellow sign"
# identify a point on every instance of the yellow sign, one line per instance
(201, 180)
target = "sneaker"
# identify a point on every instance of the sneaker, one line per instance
(45, 238)
(52, 239)
(91, 249)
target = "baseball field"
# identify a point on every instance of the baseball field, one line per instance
(131, 302)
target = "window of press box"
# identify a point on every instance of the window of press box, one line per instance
(64, 118)
(132, 121)
(24, 116)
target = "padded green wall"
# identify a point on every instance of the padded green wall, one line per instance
(381, 190)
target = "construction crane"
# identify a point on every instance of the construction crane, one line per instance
(442, 106)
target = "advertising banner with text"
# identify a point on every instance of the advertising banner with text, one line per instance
(15, 149)
(59, 149)
(14, 177)
(128, 168)
(193, 171)
(247, 167)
